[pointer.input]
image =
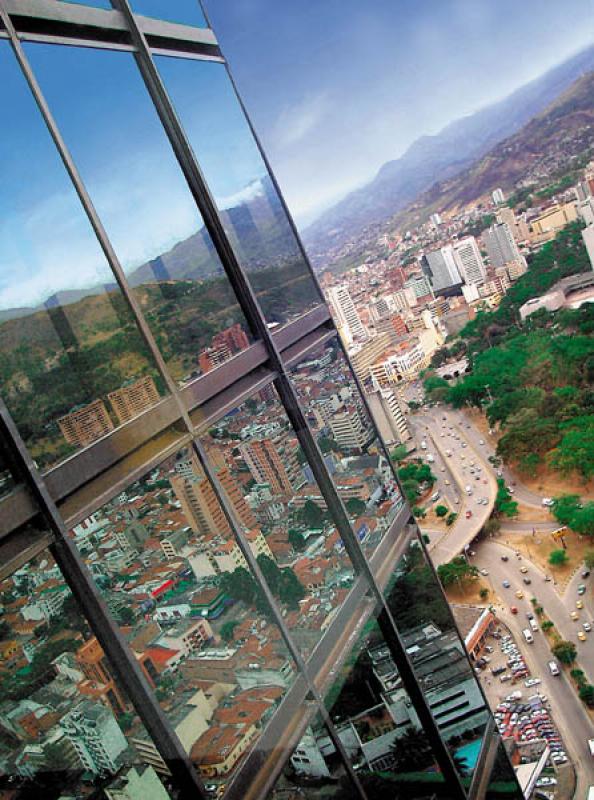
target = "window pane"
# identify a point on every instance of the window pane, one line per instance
(283, 514)
(217, 661)
(73, 365)
(441, 665)
(362, 475)
(135, 182)
(187, 12)
(503, 783)
(378, 725)
(94, 3)
(314, 769)
(252, 213)
(68, 727)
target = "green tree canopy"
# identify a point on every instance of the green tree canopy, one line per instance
(557, 558)
(565, 651)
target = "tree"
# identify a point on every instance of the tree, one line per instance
(589, 559)
(547, 625)
(576, 452)
(419, 512)
(456, 570)
(296, 539)
(412, 752)
(399, 453)
(451, 518)
(441, 511)
(492, 526)
(312, 515)
(227, 629)
(557, 558)
(564, 508)
(127, 615)
(355, 507)
(587, 694)
(484, 593)
(579, 676)
(583, 520)
(565, 651)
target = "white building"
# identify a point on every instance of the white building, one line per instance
(388, 416)
(347, 318)
(444, 269)
(498, 197)
(96, 737)
(349, 430)
(588, 237)
(469, 260)
(501, 245)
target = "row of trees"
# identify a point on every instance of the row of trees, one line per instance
(283, 583)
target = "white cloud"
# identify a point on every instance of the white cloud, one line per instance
(295, 122)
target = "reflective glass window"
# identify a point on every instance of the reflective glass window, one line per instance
(252, 213)
(283, 513)
(68, 728)
(187, 12)
(439, 658)
(73, 365)
(503, 782)
(377, 723)
(216, 660)
(314, 769)
(95, 3)
(352, 451)
(135, 182)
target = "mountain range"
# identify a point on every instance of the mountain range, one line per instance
(440, 157)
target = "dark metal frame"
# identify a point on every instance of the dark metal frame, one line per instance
(71, 491)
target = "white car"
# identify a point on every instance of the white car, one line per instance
(547, 501)
(532, 682)
(481, 441)
(484, 571)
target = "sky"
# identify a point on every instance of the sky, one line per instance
(336, 88)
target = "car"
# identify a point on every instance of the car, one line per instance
(547, 578)
(514, 609)
(447, 483)
(505, 678)
(468, 514)
(547, 501)
(582, 588)
(520, 594)
(527, 581)
(443, 470)
(481, 441)
(574, 615)
(510, 490)
(579, 604)
(586, 573)
(505, 558)
(506, 584)
(524, 569)
(546, 781)
(581, 636)
(457, 500)
(484, 571)
(463, 443)
(586, 626)
(532, 682)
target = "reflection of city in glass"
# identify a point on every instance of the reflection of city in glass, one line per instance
(67, 726)
(289, 528)
(149, 214)
(72, 361)
(174, 577)
(362, 474)
(439, 660)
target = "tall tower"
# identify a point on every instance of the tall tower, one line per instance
(346, 314)
(469, 260)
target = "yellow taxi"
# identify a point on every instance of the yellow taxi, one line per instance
(579, 604)
(581, 636)
(519, 594)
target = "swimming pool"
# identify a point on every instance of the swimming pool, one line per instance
(469, 752)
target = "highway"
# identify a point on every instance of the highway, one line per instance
(569, 712)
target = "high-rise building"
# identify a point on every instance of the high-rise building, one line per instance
(442, 267)
(421, 287)
(266, 465)
(232, 660)
(500, 245)
(86, 424)
(389, 417)
(498, 197)
(131, 400)
(469, 260)
(347, 317)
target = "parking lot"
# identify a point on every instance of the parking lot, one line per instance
(521, 710)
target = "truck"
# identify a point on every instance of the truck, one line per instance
(554, 668)
(527, 634)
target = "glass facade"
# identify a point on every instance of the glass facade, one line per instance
(225, 595)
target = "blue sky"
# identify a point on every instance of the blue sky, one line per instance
(338, 87)
(335, 88)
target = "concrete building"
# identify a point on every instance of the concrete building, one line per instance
(469, 260)
(141, 781)
(588, 237)
(442, 267)
(265, 464)
(133, 398)
(349, 430)
(388, 416)
(500, 245)
(96, 737)
(347, 318)
(555, 217)
(420, 285)
(86, 424)
(362, 356)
